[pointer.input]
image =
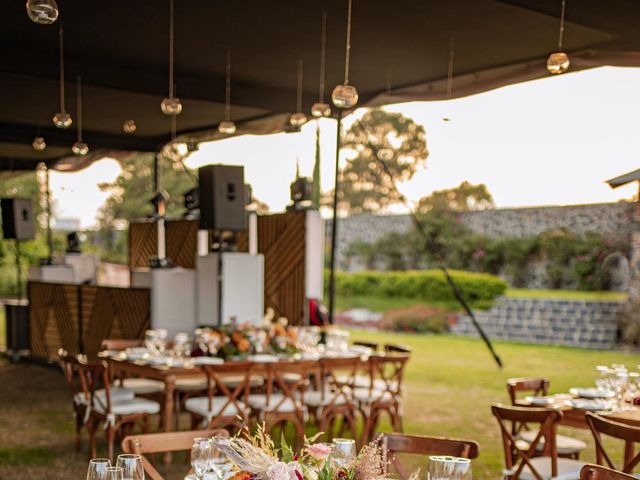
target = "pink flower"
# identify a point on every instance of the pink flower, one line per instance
(295, 471)
(319, 451)
(278, 471)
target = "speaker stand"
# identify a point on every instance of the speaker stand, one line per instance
(18, 271)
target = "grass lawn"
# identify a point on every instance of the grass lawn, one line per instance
(452, 381)
(566, 294)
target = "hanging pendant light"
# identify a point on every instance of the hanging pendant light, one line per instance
(171, 105)
(129, 126)
(62, 119)
(320, 108)
(298, 119)
(227, 127)
(44, 12)
(558, 62)
(39, 144)
(79, 148)
(345, 95)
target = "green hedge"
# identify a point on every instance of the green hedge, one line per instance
(428, 285)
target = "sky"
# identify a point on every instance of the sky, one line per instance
(552, 141)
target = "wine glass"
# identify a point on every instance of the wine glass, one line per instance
(200, 456)
(131, 465)
(218, 462)
(461, 469)
(98, 468)
(114, 473)
(344, 451)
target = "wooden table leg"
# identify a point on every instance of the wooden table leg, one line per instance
(169, 388)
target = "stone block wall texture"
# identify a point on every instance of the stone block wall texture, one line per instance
(612, 220)
(572, 323)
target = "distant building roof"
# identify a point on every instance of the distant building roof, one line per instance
(624, 179)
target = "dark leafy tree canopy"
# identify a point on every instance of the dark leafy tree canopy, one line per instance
(463, 198)
(388, 148)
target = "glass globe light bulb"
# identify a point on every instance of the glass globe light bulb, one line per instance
(39, 144)
(558, 63)
(80, 148)
(171, 106)
(385, 154)
(344, 96)
(297, 119)
(319, 109)
(227, 127)
(44, 12)
(62, 120)
(129, 126)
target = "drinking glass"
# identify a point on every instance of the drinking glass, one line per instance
(449, 468)
(114, 473)
(200, 456)
(98, 469)
(131, 465)
(218, 462)
(462, 469)
(343, 451)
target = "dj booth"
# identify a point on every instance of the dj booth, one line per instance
(77, 317)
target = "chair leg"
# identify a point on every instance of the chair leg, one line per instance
(146, 424)
(78, 433)
(111, 434)
(91, 428)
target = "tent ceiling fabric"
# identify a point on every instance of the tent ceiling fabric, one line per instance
(120, 48)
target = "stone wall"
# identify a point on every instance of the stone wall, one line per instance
(612, 220)
(574, 323)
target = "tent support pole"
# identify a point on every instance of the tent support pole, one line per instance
(334, 225)
(49, 231)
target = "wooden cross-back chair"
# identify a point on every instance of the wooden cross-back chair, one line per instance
(286, 383)
(372, 345)
(384, 393)
(393, 348)
(225, 404)
(397, 443)
(598, 472)
(567, 446)
(523, 463)
(629, 434)
(151, 443)
(334, 399)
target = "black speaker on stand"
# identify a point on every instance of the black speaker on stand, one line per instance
(17, 224)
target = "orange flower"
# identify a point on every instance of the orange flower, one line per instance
(280, 331)
(243, 345)
(241, 475)
(292, 334)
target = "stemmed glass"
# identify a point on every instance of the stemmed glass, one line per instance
(98, 469)
(343, 451)
(449, 468)
(200, 456)
(218, 462)
(132, 468)
(114, 473)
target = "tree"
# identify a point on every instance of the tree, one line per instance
(389, 149)
(463, 198)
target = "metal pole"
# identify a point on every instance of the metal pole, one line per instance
(18, 271)
(334, 225)
(49, 231)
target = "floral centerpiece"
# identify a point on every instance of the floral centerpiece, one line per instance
(257, 458)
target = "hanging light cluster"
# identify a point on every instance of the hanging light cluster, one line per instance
(44, 12)
(171, 105)
(320, 108)
(129, 126)
(227, 127)
(79, 148)
(558, 62)
(298, 118)
(39, 144)
(345, 95)
(62, 119)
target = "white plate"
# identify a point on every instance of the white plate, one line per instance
(263, 358)
(591, 393)
(590, 405)
(539, 401)
(207, 361)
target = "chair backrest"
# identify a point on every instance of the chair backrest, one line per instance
(373, 346)
(597, 472)
(164, 442)
(119, 343)
(393, 348)
(387, 372)
(235, 395)
(394, 444)
(289, 378)
(531, 386)
(339, 376)
(627, 433)
(515, 458)
(83, 377)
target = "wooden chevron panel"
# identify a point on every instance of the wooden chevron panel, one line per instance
(182, 242)
(281, 238)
